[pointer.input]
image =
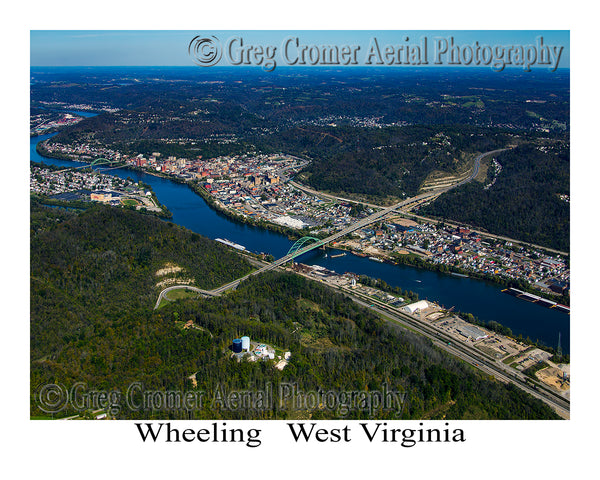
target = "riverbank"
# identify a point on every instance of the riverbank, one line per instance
(421, 262)
(483, 298)
(143, 202)
(410, 259)
(291, 233)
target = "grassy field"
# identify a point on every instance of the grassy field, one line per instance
(130, 202)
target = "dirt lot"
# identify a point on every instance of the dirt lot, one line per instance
(405, 222)
(168, 268)
(435, 316)
(531, 357)
(500, 346)
(553, 377)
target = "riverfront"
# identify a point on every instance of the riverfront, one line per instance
(483, 299)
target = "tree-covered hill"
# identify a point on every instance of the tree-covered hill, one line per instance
(90, 269)
(395, 161)
(524, 202)
(92, 321)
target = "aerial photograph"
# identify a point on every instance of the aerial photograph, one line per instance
(300, 226)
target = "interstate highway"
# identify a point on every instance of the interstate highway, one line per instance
(358, 225)
(469, 354)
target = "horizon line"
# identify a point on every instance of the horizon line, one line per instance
(259, 67)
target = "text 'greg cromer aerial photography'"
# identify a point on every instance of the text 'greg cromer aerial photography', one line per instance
(300, 226)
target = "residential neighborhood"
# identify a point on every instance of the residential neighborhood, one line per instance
(256, 186)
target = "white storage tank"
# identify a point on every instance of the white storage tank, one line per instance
(246, 343)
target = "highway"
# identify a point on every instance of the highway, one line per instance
(469, 354)
(187, 287)
(474, 173)
(306, 189)
(464, 351)
(491, 235)
(358, 225)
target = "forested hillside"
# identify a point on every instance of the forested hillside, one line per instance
(393, 161)
(524, 202)
(93, 288)
(92, 269)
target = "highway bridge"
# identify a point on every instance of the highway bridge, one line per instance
(374, 217)
(470, 355)
(358, 225)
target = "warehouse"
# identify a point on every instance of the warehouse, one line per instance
(472, 332)
(416, 307)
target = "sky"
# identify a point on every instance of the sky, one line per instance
(170, 48)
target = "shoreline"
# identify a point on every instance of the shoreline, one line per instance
(165, 213)
(415, 260)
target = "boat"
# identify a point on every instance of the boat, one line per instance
(230, 243)
(338, 255)
(546, 303)
(515, 292)
(376, 259)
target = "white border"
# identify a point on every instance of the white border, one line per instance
(494, 449)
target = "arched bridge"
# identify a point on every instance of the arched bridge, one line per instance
(102, 161)
(306, 244)
(97, 161)
(300, 243)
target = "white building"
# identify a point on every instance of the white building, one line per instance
(474, 333)
(288, 221)
(415, 307)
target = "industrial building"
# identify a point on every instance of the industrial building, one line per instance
(241, 346)
(471, 332)
(415, 307)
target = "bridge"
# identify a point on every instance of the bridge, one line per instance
(306, 244)
(97, 161)
(307, 248)
(301, 242)
(102, 161)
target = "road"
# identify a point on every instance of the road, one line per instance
(355, 226)
(358, 225)
(474, 173)
(463, 351)
(331, 197)
(491, 235)
(175, 287)
(470, 355)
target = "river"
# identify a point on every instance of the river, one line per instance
(483, 299)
